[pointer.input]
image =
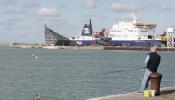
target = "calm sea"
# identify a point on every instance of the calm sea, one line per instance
(74, 74)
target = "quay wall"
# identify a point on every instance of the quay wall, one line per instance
(27, 45)
(137, 48)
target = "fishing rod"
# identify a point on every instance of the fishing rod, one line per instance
(124, 70)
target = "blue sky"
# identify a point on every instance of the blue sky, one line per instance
(24, 20)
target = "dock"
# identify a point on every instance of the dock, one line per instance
(167, 93)
(124, 48)
(137, 48)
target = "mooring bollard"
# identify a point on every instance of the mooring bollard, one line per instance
(37, 97)
(155, 82)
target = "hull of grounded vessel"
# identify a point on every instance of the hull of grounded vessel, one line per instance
(118, 42)
(89, 42)
(135, 42)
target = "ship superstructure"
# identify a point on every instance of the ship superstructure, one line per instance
(85, 38)
(132, 32)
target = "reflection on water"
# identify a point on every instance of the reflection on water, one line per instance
(74, 74)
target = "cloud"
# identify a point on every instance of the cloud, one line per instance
(47, 12)
(23, 8)
(118, 7)
(62, 5)
(164, 8)
(17, 11)
(8, 2)
(155, 7)
(14, 20)
(30, 4)
(10, 22)
(89, 3)
(6, 24)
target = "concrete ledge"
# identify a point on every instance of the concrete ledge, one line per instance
(167, 93)
(134, 48)
(130, 96)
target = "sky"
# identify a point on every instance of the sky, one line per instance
(24, 20)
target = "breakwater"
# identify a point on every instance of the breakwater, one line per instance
(137, 48)
(28, 45)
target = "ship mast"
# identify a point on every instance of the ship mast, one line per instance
(90, 25)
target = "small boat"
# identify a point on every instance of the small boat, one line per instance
(52, 47)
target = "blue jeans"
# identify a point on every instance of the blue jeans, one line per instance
(145, 80)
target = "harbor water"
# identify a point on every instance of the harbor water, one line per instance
(66, 74)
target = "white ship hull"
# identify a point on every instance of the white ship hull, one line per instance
(128, 33)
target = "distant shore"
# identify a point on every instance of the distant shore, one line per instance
(131, 48)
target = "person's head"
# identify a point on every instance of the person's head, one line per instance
(153, 49)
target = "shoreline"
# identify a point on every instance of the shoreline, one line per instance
(124, 48)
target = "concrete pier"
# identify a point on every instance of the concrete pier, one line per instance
(137, 48)
(167, 93)
(124, 48)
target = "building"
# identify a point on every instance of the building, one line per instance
(170, 37)
(54, 38)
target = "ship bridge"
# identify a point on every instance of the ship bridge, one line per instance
(145, 25)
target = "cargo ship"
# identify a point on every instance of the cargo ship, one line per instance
(89, 38)
(85, 38)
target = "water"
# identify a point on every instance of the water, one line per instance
(74, 74)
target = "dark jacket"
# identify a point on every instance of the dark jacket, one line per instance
(153, 61)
